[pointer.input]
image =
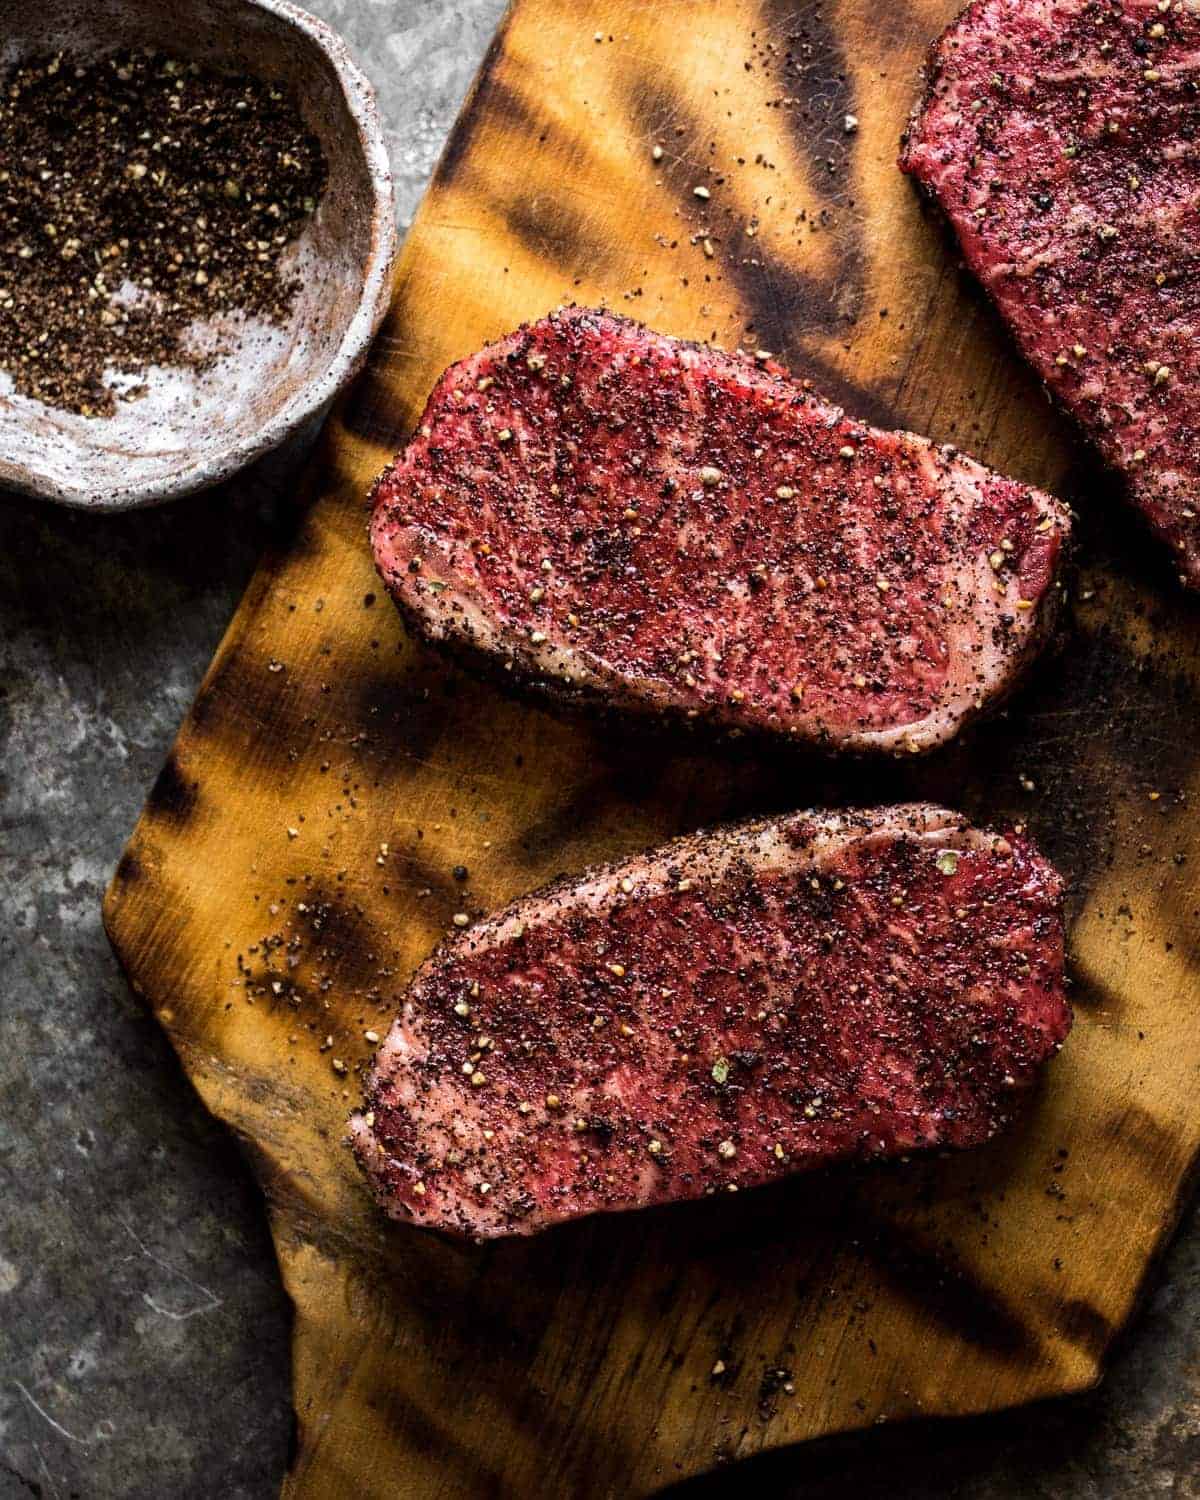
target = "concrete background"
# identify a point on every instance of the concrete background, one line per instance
(143, 1332)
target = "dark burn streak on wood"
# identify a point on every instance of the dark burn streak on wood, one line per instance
(808, 64)
(490, 99)
(589, 806)
(789, 309)
(368, 410)
(947, 1290)
(1091, 996)
(1084, 1325)
(1152, 1140)
(334, 935)
(256, 699)
(173, 796)
(553, 231)
(657, 111)
(409, 702)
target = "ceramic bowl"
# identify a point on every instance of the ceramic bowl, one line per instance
(193, 429)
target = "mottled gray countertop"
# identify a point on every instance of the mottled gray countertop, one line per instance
(143, 1331)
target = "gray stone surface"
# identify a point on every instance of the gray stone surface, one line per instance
(143, 1333)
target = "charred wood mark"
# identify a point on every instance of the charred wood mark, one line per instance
(370, 411)
(1085, 1326)
(1092, 995)
(129, 869)
(931, 1282)
(1135, 1129)
(781, 304)
(587, 1277)
(491, 99)
(256, 698)
(1075, 753)
(317, 945)
(554, 232)
(422, 1419)
(504, 1298)
(682, 784)
(339, 936)
(787, 306)
(410, 703)
(804, 58)
(172, 797)
(415, 868)
(598, 802)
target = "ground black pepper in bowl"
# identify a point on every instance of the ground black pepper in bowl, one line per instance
(140, 194)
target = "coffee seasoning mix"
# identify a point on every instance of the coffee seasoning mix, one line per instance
(138, 195)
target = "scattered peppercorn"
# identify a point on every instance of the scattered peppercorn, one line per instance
(140, 194)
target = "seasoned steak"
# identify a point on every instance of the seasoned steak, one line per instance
(613, 516)
(726, 1010)
(1060, 139)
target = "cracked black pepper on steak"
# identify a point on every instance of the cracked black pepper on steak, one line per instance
(139, 194)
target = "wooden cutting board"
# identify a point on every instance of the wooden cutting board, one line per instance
(294, 862)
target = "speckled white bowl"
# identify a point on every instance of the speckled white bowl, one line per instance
(193, 430)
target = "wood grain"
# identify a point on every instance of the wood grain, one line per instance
(294, 862)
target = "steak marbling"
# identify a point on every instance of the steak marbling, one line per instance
(614, 516)
(1060, 139)
(734, 1007)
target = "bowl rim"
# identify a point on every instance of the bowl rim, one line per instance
(213, 469)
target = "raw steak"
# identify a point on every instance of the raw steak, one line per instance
(1060, 138)
(731, 1008)
(611, 515)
